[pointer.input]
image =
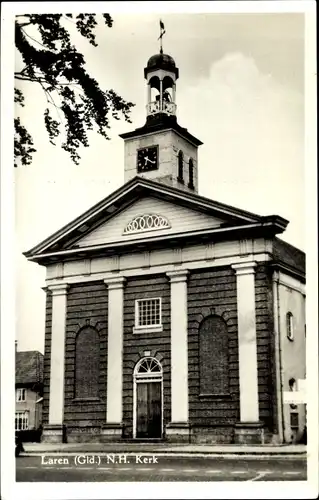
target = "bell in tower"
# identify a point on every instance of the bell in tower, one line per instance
(162, 150)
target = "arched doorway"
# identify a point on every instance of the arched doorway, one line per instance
(148, 399)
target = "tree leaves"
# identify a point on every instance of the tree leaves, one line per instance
(52, 62)
(22, 144)
(51, 125)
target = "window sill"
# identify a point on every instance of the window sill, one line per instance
(85, 400)
(147, 329)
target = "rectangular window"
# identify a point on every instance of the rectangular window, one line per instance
(148, 313)
(294, 420)
(21, 394)
(22, 420)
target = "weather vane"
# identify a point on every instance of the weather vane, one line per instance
(162, 31)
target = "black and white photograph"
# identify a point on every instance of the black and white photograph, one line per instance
(159, 240)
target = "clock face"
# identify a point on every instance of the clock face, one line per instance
(147, 159)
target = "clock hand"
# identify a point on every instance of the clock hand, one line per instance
(147, 159)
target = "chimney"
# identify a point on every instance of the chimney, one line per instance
(16, 345)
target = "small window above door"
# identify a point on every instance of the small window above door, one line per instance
(148, 315)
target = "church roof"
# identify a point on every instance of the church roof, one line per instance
(236, 221)
(161, 61)
(159, 122)
(287, 257)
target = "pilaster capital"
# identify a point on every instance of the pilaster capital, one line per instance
(115, 282)
(178, 276)
(58, 289)
(244, 268)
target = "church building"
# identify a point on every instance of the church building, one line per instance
(170, 316)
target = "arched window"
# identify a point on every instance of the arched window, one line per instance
(290, 325)
(87, 363)
(213, 346)
(180, 167)
(148, 367)
(191, 174)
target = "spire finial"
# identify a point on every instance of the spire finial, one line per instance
(162, 31)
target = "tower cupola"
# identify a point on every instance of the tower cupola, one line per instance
(161, 74)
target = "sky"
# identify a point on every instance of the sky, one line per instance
(240, 91)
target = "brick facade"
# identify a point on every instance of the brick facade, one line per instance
(265, 346)
(210, 292)
(47, 357)
(136, 343)
(87, 306)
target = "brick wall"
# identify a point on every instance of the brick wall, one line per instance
(87, 305)
(212, 292)
(135, 344)
(265, 345)
(47, 356)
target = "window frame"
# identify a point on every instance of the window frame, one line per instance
(21, 390)
(191, 173)
(156, 327)
(290, 326)
(25, 416)
(180, 167)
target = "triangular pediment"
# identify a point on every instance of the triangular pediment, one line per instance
(147, 217)
(143, 211)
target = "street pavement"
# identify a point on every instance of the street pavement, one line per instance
(135, 467)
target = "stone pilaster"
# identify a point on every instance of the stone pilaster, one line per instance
(178, 429)
(248, 430)
(52, 432)
(113, 426)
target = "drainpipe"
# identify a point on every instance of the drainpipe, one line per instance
(279, 374)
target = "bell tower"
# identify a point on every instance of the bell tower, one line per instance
(161, 75)
(162, 150)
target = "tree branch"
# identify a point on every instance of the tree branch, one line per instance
(51, 101)
(36, 41)
(69, 19)
(18, 76)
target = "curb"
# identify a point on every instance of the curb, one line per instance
(172, 453)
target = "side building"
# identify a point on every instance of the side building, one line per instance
(28, 390)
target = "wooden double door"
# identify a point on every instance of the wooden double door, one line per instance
(148, 410)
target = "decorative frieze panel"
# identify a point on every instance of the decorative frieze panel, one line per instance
(177, 256)
(146, 222)
(87, 267)
(246, 246)
(210, 251)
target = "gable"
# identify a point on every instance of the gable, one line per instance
(131, 225)
(187, 215)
